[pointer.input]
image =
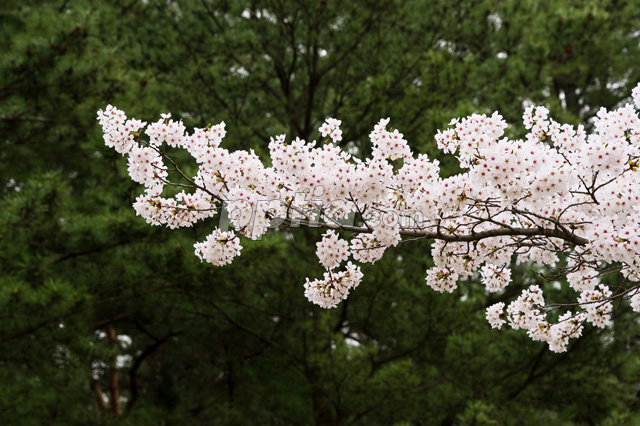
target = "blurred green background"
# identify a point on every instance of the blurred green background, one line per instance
(106, 320)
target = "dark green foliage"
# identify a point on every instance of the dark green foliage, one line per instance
(90, 293)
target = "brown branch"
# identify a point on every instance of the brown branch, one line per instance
(439, 235)
(65, 256)
(24, 118)
(27, 331)
(136, 365)
(40, 325)
(113, 375)
(99, 396)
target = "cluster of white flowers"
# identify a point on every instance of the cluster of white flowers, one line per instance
(471, 135)
(334, 287)
(635, 301)
(388, 144)
(331, 128)
(366, 249)
(524, 312)
(145, 166)
(569, 326)
(496, 315)
(181, 211)
(118, 132)
(636, 96)
(219, 248)
(442, 279)
(495, 278)
(597, 306)
(528, 312)
(332, 250)
(167, 130)
(558, 190)
(583, 279)
(387, 231)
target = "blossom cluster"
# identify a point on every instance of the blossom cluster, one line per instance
(332, 250)
(334, 287)
(529, 312)
(559, 197)
(388, 144)
(219, 248)
(495, 278)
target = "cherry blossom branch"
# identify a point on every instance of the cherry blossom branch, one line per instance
(558, 194)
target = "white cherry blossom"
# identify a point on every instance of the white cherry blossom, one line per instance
(560, 198)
